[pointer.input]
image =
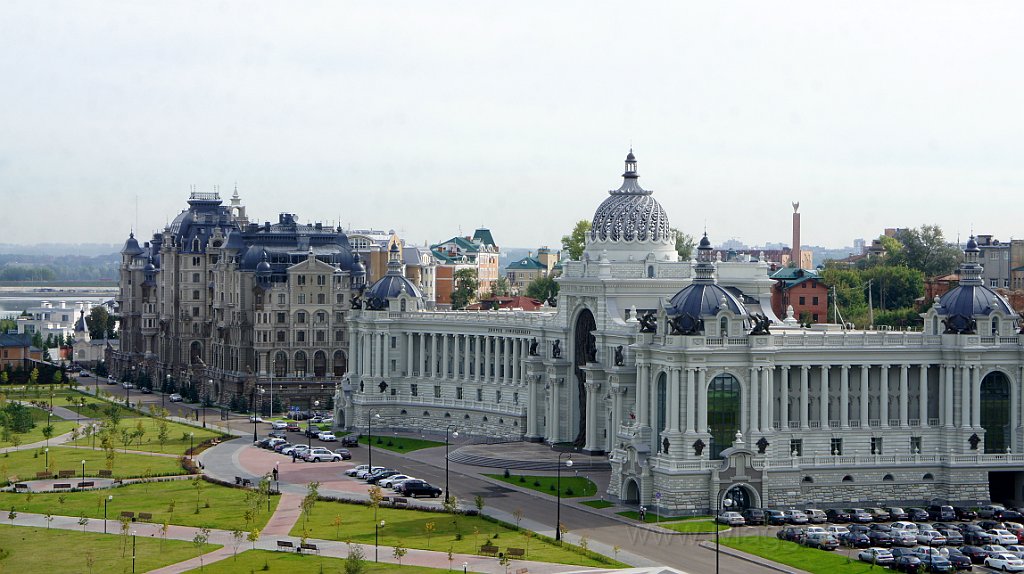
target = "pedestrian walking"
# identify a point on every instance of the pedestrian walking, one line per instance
(293, 456)
(643, 514)
(275, 474)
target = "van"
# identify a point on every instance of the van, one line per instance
(815, 516)
(941, 513)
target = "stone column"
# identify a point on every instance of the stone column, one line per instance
(976, 396)
(804, 397)
(478, 359)
(421, 361)
(883, 396)
(496, 356)
(617, 392)
(508, 354)
(947, 392)
(823, 399)
(844, 397)
(385, 355)
(674, 402)
(590, 432)
(554, 423)
(1014, 418)
(865, 421)
(532, 416)
(965, 396)
(922, 395)
(904, 396)
(409, 361)
(752, 402)
(767, 384)
(444, 355)
(465, 357)
(691, 399)
(784, 399)
(514, 368)
(364, 344)
(702, 401)
(487, 359)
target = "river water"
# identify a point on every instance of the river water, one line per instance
(15, 299)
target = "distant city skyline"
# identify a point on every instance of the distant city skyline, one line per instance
(428, 117)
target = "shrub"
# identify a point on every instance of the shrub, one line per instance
(507, 473)
(568, 491)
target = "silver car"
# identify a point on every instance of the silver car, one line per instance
(731, 518)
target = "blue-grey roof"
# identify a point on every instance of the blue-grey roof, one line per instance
(131, 247)
(390, 286)
(972, 301)
(703, 300)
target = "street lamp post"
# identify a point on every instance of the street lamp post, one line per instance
(133, 551)
(206, 399)
(163, 394)
(727, 503)
(83, 473)
(46, 458)
(106, 501)
(369, 432)
(94, 436)
(376, 531)
(191, 438)
(309, 425)
(254, 417)
(558, 487)
(447, 493)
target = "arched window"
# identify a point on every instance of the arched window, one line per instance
(808, 479)
(195, 352)
(280, 364)
(847, 478)
(723, 412)
(662, 405)
(724, 326)
(320, 364)
(340, 364)
(888, 478)
(995, 326)
(928, 476)
(995, 411)
(300, 363)
(650, 271)
(426, 413)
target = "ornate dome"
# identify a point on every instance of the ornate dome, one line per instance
(971, 299)
(131, 247)
(392, 285)
(630, 214)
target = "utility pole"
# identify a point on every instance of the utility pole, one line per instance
(871, 309)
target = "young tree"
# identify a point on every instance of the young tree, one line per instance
(429, 527)
(309, 501)
(354, 562)
(199, 541)
(684, 245)
(466, 284)
(576, 242)
(500, 287)
(542, 288)
(399, 553)
(253, 536)
(237, 537)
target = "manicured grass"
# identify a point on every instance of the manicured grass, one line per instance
(226, 509)
(177, 440)
(51, 550)
(35, 434)
(38, 392)
(408, 528)
(792, 554)
(572, 486)
(655, 517)
(693, 526)
(267, 561)
(598, 503)
(399, 443)
(24, 464)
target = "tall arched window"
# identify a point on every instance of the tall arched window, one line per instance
(724, 326)
(300, 363)
(320, 364)
(280, 364)
(723, 412)
(995, 411)
(340, 366)
(995, 326)
(662, 390)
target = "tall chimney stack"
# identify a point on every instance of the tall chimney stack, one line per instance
(796, 234)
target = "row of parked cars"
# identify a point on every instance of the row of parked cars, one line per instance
(302, 451)
(868, 515)
(389, 478)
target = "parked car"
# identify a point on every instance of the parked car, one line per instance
(1005, 561)
(953, 537)
(989, 524)
(879, 514)
(127, 385)
(933, 563)
(292, 427)
(975, 553)
(344, 453)
(355, 469)
(990, 510)
(350, 440)
(1016, 549)
(774, 517)
(753, 516)
(730, 518)
(907, 563)
(931, 537)
(390, 481)
(896, 513)
(821, 541)
(1003, 537)
(320, 454)
(416, 488)
(281, 446)
(994, 549)
(859, 515)
(277, 434)
(255, 419)
(964, 514)
(279, 425)
(1009, 514)
(974, 535)
(377, 476)
(879, 556)
(316, 419)
(327, 421)
(145, 390)
(327, 436)
(855, 539)
(837, 515)
(795, 517)
(298, 449)
(904, 525)
(958, 560)
(880, 538)
(364, 472)
(917, 514)
(816, 516)
(790, 533)
(941, 512)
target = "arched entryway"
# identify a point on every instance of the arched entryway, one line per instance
(631, 492)
(195, 352)
(340, 365)
(280, 364)
(723, 412)
(995, 411)
(584, 351)
(300, 364)
(741, 498)
(320, 364)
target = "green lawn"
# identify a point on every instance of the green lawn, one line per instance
(792, 554)
(598, 503)
(226, 509)
(249, 561)
(24, 464)
(177, 440)
(60, 426)
(39, 392)
(43, 550)
(572, 486)
(399, 443)
(693, 526)
(408, 527)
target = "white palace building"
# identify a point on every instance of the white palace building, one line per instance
(681, 375)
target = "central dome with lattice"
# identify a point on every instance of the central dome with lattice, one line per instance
(630, 214)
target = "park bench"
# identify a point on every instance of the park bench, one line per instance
(86, 484)
(243, 481)
(129, 515)
(66, 474)
(106, 473)
(285, 544)
(489, 550)
(310, 547)
(43, 475)
(62, 485)
(146, 516)
(515, 552)
(523, 571)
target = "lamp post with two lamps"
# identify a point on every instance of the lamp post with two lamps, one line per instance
(558, 487)
(727, 503)
(447, 492)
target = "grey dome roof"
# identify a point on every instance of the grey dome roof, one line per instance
(235, 240)
(630, 213)
(131, 247)
(973, 301)
(701, 300)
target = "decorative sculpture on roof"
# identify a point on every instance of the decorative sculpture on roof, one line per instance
(761, 324)
(357, 301)
(698, 447)
(383, 386)
(556, 349)
(376, 304)
(533, 347)
(553, 301)
(960, 325)
(762, 445)
(618, 356)
(664, 445)
(974, 440)
(648, 322)
(686, 324)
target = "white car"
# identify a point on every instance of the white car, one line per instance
(1004, 561)
(904, 526)
(175, 398)
(255, 419)
(328, 421)
(1003, 536)
(904, 537)
(327, 436)
(731, 518)
(368, 471)
(320, 454)
(994, 549)
(298, 449)
(278, 425)
(1016, 549)
(880, 556)
(815, 530)
(931, 537)
(390, 481)
(355, 469)
(795, 517)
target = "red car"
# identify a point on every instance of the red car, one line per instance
(293, 427)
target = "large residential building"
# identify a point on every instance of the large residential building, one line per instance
(682, 374)
(478, 252)
(521, 273)
(802, 290)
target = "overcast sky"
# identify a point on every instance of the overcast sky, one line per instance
(431, 117)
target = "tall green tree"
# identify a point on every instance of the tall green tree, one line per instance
(894, 287)
(575, 242)
(542, 288)
(926, 250)
(466, 285)
(684, 245)
(500, 287)
(97, 321)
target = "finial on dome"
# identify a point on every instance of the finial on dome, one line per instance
(630, 165)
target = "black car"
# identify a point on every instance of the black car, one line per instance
(419, 488)
(917, 514)
(277, 434)
(958, 560)
(1011, 515)
(941, 512)
(377, 476)
(896, 513)
(855, 539)
(933, 563)
(837, 516)
(974, 553)
(350, 440)
(989, 524)
(753, 516)
(975, 535)
(907, 563)
(880, 538)
(790, 533)
(964, 514)
(774, 517)
(343, 453)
